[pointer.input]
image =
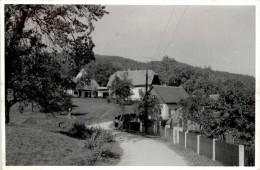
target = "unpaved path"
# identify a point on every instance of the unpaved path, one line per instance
(139, 150)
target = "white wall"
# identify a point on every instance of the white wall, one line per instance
(100, 94)
(164, 111)
(135, 91)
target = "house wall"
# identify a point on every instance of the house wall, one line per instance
(164, 111)
(71, 92)
(102, 93)
(135, 91)
(168, 110)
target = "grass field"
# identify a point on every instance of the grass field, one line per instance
(97, 110)
(34, 138)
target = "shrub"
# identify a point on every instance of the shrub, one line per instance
(96, 142)
(79, 131)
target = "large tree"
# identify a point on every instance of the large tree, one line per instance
(233, 112)
(121, 89)
(35, 31)
(148, 109)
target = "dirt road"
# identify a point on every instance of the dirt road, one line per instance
(139, 150)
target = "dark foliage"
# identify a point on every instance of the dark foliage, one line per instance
(32, 35)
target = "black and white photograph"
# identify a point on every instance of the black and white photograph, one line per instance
(129, 85)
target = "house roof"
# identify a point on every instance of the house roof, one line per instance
(138, 77)
(80, 74)
(92, 86)
(170, 94)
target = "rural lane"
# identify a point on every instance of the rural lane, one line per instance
(139, 150)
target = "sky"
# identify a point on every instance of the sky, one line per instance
(220, 37)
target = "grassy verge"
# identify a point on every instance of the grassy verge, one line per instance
(100, 145)
(34, 138)
(193, 158)
(32, 146)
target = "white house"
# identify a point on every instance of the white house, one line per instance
(138, 79)
(102, 92)
(169, 98)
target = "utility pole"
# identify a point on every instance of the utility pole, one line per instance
(145, 101)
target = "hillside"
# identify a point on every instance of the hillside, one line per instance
(168, 68)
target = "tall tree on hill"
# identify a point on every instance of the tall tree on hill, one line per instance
(35, 31)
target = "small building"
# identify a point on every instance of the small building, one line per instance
(102, 92)
(138, 79)
(90, 90)
(169, 98)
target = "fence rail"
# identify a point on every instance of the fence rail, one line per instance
(228, 154)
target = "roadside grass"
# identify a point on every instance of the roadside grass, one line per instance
(193, 158)
(34, 138)
(31, 146)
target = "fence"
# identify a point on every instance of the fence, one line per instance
(249, 157)
(191, 141)
(206, 146)
(182, 138)
(228, 154)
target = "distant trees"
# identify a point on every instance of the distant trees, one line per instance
(101, 71)
(32, 32)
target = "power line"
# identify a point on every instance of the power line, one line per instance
(175, 30)
(159, 46)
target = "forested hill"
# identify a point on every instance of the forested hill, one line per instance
(172, 72)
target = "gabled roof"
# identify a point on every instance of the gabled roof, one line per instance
(138, 77)
(80, 74)
(170, 94)
(92, 86)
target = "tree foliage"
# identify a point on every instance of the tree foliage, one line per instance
(121, 89)
(232, 113)
(235, 107)
(153, 108)
(32, 32)
(100, 71)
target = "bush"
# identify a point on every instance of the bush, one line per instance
(96, 142)
(79, 131)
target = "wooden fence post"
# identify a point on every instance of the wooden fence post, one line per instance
(165, 131)
(173, 135)
(185, 141)
(178, 137)
(198, 144)
(214, 150)
(241, 155)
